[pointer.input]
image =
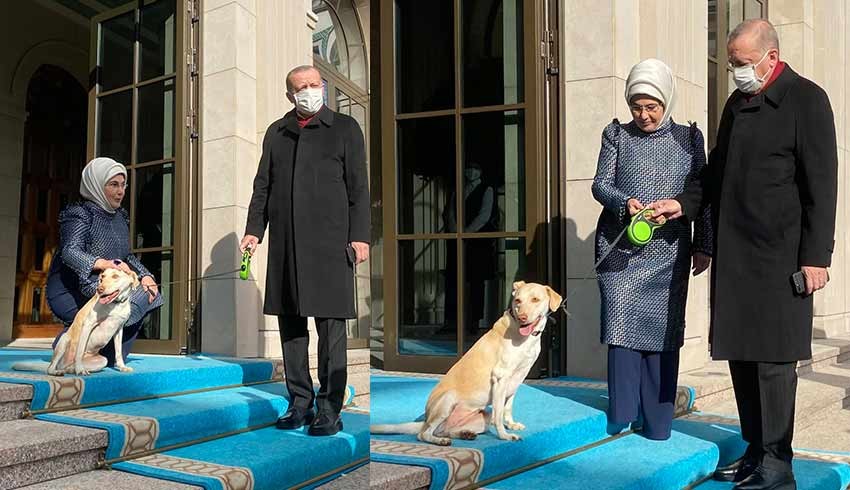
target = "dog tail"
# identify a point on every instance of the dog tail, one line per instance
(409, 428)
(39, 366)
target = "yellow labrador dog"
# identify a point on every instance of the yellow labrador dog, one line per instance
(488, 374)
(101, 319)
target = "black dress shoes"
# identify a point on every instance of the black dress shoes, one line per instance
(736, 471)
(325, 424)
(295, 418)
(768, 479)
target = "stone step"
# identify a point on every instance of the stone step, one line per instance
(355, 480)
(819, 393)
(714, 385)
(90, 480)
(383, 476)
(14, 399)
(32, 451)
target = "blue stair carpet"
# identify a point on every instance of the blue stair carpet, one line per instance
(554, 424)
(152, 424)
(153, 375)
(266, 459)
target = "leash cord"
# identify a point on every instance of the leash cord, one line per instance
(587, 275)
(202, 278)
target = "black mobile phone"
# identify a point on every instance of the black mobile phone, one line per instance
(352, 256)
(799, 283)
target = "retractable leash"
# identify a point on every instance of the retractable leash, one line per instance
(639, 231)
(244, 271)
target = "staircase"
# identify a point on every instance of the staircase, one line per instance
(700, 441)
(42, 453)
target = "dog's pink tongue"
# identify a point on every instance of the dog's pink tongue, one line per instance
(526, 330)
(103, 300)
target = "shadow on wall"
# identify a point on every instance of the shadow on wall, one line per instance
(586, 356)
(227, 301)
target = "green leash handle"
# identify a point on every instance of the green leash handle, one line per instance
(245, 267)
(641, 228)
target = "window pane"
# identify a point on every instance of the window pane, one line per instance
(156, 39)
(343, 102)
(712, 28)
(426, 174)
(494, 172)
(713, 109)
(114, 126)
(154, 206)
(116, 51)
(425, 55)
(329, 38)
(156, 122)
(492, 52)
(734, 13)
(157, 325)
(752, 9)
(427, 298)
(491, 265)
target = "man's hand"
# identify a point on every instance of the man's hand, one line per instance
(669, 208)
(249, 242)
(150, 287)
(816, 278)
(634, 206)
(701, 262)
(361, 250)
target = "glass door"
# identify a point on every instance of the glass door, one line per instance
(460, 148)
(135, 109)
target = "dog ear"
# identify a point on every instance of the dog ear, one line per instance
(518, 285)
(554, 299)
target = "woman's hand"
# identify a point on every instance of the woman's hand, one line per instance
(103, 264)
(701, 262)
(634, 206)
(150, 287)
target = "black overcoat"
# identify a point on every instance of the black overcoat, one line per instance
(312, 191)
(772, 183)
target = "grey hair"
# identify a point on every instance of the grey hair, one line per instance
(766, 35)
(297, 69)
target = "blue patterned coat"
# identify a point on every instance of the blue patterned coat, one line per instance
(644, 289)
(88, 233)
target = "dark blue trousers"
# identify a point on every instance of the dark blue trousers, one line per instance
(65, 305)
(643, 385)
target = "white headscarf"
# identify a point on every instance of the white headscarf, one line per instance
(95, 176)
(654, 78)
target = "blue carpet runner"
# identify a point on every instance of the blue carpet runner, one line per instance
(262, 458)
(560, 415)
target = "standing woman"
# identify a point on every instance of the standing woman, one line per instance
(644, 289)
(94, 236)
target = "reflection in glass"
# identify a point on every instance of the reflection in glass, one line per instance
(155, 140)
(157, 325)
(752, 9)
(426, 172)
(492, 52)
(329, 39)
(154, 202)
(494, 172)
(156, 39)
(114, 126)
(424, 55)
(712, 28)
(116, 51)
(491, 266)
(427, 312)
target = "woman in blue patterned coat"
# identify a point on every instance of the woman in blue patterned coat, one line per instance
(94, 235)
(644, 289)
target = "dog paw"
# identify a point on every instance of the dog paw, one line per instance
(510, 437)
(468, 435)
(515, 426)
(443, 441)
(125, 369)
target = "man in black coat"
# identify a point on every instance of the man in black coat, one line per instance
(311, 189)
(771, 183)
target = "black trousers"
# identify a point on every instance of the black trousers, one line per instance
(765, 393)
(332, 362)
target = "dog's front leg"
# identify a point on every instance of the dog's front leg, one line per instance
(510, 423)
(498, 420)
(87, 329)
(119, 355)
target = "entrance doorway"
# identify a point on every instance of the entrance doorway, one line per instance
(54, 153)
(462, 150)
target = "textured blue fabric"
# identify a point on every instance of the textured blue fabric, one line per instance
(88, 233)
(644, 289)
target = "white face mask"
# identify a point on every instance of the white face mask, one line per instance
(309, 100)
(746, 79)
